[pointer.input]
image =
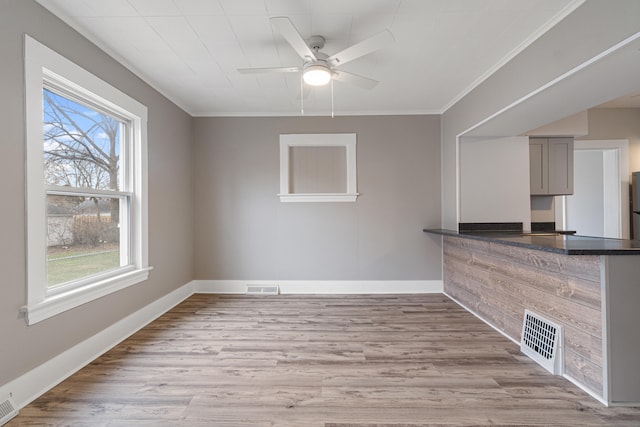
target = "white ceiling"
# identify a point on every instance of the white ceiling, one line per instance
(190, 49)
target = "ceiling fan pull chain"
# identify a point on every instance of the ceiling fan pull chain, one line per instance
(301, 95)
(332, 98)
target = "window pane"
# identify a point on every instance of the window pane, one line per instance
(81, 145)
(83, 237)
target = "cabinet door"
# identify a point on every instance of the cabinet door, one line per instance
(538, 166)
(560, 166)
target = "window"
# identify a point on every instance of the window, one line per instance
(86, 185)
(318, 168)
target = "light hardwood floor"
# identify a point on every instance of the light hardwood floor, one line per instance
(338, 361)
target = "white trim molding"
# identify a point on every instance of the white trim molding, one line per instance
(64, 301)
(345, 140)
(324, 197)
(618, 194)
(45, 68)
(323, 287)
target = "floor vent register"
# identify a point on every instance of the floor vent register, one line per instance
(542, 341)
(7, 411)
(262, 290)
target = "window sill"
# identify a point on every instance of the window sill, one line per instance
(63, 301)
(321, 197)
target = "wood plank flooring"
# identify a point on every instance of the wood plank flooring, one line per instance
(318, 361)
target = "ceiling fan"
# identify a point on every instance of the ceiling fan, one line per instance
(319, 68)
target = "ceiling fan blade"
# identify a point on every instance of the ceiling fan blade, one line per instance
(354, 79)
(362, 48)
(269, 70)
(291, 35)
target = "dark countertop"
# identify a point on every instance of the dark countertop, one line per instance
(562, 244)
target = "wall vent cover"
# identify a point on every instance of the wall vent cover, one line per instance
(263, 290)
(542, 341)
(7, 411)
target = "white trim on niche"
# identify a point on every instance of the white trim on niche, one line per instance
(346, 140)
(323, 287)
(324, 197)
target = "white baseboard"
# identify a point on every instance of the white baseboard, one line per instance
(342, 287)
(39, 380)
(586, 390)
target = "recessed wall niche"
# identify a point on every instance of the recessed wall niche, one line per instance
(318, 167)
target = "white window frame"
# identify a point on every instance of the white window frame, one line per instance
(345, 140)
(43, 66)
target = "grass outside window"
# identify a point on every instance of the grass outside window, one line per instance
(75, 262)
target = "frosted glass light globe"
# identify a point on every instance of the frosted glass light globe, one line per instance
(316, 75)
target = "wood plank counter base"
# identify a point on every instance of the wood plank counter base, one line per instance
(595, 298)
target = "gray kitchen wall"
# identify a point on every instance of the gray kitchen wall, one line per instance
(243, 231)
(170, 195)
(589, 30)
(617, 123)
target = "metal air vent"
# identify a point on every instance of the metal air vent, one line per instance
(8, 410)
(542, 341)
(262, 290)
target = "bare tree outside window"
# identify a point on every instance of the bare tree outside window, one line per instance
(82, 146)
(81, 150)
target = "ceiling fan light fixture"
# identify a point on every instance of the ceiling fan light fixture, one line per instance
(316, 75)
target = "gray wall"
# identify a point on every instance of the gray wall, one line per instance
(170, 195)
(243, 231)
(617, 123)
(590, 29)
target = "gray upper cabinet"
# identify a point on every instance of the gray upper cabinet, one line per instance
(551, 166)
(539, 166)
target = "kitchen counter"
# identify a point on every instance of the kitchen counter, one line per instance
(588, 286)
(561, 244)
